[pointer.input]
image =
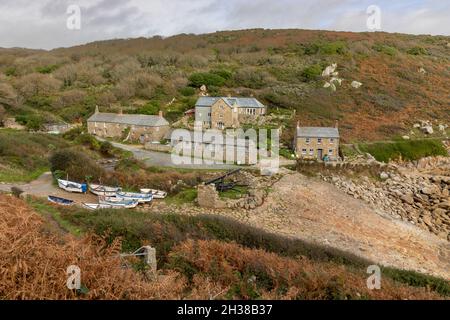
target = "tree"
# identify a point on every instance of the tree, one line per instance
(37, 84)
(8, 96)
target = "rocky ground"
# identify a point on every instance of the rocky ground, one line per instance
(417, 193)
(314, 210)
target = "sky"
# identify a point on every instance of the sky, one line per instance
(43, 24)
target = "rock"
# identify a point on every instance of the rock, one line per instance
(356, 84)
(406, 138)
(384, 176)
(427, 130)
(407, 198)
(431, 190)
(422, 70)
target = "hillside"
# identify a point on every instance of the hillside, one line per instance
(404, 78)
(224, 270)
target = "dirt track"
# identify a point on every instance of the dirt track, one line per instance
(314, 210)
(43, 187)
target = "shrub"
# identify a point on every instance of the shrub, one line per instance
(417, 51)
(187, 91)
(205, 78)
(391, 51)
(312, 72)
(76, 165)
(106, 148)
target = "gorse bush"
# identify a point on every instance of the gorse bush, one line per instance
(76, 165)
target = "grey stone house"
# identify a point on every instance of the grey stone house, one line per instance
(227, 112)
(317, 143)
(135, 127)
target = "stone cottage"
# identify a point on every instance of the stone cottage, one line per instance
(132, 127)
(317, 143)
(227, 112)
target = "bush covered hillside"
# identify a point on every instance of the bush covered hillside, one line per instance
(404, 78)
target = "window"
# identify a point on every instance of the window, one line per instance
(330, 152)
(311, 152)
(308, 140)
(209, 114)
(319, 140)
(331, 141)
(303, 151)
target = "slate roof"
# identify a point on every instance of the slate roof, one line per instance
(130, 119)
(317, 132)
(241, 102)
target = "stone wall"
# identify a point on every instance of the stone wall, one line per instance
(137, 133)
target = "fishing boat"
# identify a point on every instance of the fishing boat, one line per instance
(72, 186)
(118, 202)
(100, 190)
(140, 197)
(157, 194)
(60, 201)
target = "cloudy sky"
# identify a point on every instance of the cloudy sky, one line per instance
(43, 23)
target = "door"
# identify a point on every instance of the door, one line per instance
(320, 154)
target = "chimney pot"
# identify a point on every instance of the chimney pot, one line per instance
(336, 124)
(160, 113)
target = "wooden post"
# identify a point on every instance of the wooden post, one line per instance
(150, 258)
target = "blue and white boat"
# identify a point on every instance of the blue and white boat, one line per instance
(98, 206)
(118, 202)
(70, 186)
(60, 201)
(140, 197)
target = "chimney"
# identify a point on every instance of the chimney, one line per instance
(336, 125)
(120, 110)
(96, 110)
(160, 113)
(298, 124)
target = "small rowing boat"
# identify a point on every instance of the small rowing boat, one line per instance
(140, 197)
(100, 190)
(157, 194)
(98, 206)
(60, 201)
(118, 202)
(70, 186)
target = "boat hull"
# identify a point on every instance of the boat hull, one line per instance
(100, 190)
(70, 186)
(140, 197)
(60, 201)
(157, 194)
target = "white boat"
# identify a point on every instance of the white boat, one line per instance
(140, 197)
(72, 186)
(118, 202)
(100, 190)
(157, 194)
(98, 206)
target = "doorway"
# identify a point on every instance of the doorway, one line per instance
(320, 154)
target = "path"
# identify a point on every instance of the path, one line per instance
(43, 187)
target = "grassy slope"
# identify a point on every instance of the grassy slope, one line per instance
(167, 231)
(24, 156)
(277, 66)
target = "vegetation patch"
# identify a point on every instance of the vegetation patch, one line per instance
(406, 150)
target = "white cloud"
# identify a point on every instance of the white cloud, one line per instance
(42, 23)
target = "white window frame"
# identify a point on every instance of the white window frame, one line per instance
(304, 151)
(319, 140)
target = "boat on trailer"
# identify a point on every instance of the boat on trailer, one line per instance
(71, 186)
(101, 190)
(157, 194)
(60, 201)
(118, 202)
(140, 197)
